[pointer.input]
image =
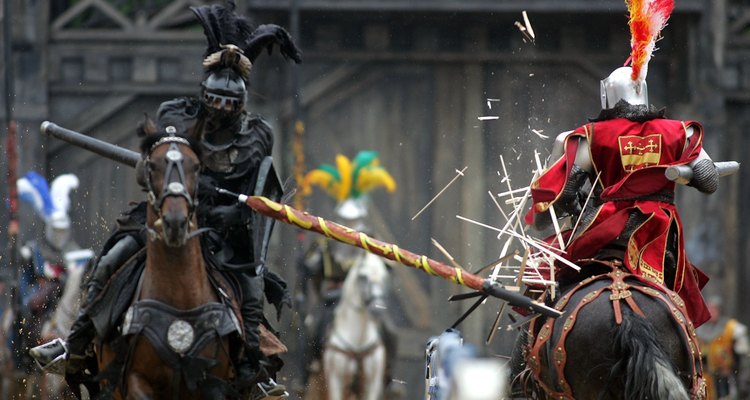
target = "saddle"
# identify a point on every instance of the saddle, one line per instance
(109, 308)
(544, 341)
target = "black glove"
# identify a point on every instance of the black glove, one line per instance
(223, 217)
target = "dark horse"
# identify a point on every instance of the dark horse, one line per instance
(176, 333)
(619, 338)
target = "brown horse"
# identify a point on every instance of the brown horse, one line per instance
(619, 338)
(177, 328)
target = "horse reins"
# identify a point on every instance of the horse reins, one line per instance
(171, 187)
(359, 356)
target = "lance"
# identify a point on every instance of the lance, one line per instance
(343, 234)
(332, 230)
(108, 150)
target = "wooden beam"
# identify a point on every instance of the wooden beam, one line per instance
(128, 37)
(106, 8)
(320, 87)
(355, 86)
(578, 6)
(186, 88)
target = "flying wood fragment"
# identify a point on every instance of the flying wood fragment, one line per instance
(524, 32)
(539, 133)
(458, 175)
(446, 253)
(527, 24)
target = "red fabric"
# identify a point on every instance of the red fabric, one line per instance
(547, 188)
(631, 158)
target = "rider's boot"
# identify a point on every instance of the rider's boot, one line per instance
(251, 368)
(61, 357)
(269, 390)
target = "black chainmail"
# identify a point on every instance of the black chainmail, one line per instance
(633, 112)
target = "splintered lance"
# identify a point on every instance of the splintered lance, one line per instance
(332, 230)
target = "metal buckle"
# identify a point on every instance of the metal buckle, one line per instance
(265, 395)
(58, 365)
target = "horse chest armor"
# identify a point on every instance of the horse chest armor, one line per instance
(179, 335)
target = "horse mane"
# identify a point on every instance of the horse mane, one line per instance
(635, 341)
(150, 140)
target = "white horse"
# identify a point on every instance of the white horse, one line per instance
(354, 354)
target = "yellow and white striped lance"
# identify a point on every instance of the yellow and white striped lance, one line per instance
(340, 233)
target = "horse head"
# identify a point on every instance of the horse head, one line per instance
(371, 278)
(170, 169)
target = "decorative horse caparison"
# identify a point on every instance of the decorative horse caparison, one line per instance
(354, 354)
(619, 338)
(177, 329)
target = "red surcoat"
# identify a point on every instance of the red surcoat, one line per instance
(630, 159)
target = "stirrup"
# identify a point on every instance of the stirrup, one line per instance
(276, 392)
(57, 365)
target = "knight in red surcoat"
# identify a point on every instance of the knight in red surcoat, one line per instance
(631, 216)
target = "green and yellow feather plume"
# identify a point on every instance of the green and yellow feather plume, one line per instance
(350, 178)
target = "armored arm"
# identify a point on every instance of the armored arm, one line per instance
(558, 148)
(705, 175)
(570, 201)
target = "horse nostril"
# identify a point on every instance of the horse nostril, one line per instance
(176, 222)
(175, 225)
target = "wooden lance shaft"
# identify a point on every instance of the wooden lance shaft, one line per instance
(332, 230)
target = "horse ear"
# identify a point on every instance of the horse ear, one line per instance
(146, 127)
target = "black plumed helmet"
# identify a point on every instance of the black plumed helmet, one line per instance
(233, 46)
(231, 36)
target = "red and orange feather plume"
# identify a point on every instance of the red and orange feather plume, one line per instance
(647, 19)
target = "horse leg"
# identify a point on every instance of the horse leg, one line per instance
(373, 375)
(139, 388)
(336, 376)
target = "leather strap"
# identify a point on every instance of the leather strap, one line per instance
(619, 290)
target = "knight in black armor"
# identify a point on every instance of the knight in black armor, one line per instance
(236, 155)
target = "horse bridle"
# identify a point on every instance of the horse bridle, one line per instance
(170, 186)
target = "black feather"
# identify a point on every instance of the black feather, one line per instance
(265, 37)
(222, 26)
